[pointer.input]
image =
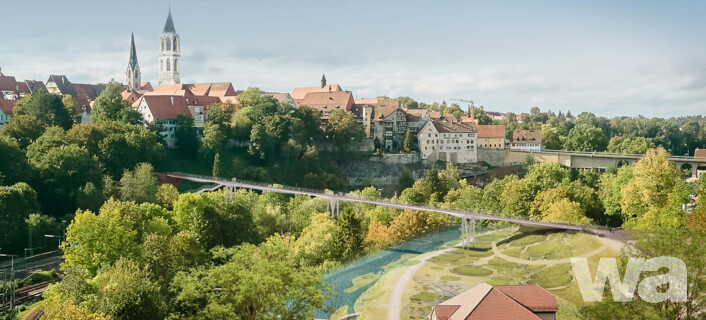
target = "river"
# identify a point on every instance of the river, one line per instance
(374, 262)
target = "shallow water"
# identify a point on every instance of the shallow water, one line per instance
(373, 263)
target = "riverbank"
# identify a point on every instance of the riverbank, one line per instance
(410, 289)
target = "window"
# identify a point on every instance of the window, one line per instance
(176, 44)
(137, 73)
(176, 65)
(162, 45)
(168, 65)
(169, 45)
(161, 65)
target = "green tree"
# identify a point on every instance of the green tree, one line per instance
(317, 245)
(187, 142)
(585, 137)
(70, 106)
(350, 236)
(630, 144)
(13, 167)
(118, 145)
(126, 291)
(24, 129)
(90, 197)
(46, 108)
(550, 137)
(262, 282)
(63, 170)
(212, 142)
(216, 172)
(408, 143)
(610, 187)
(139, 185)
(17, 202)
(655, 194)
(167, 195)
(110, 106)
(343, 128)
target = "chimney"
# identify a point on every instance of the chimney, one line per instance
(172, 100)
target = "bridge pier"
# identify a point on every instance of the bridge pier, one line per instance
(468, 232)
(230, 193)
(332, 207)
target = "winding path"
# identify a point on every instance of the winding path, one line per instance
(497, 253)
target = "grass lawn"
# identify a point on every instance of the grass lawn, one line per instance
(459, 270)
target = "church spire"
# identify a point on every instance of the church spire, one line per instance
(133, 52)
(133, 74)
(169, 26)
(169, 54)
(323, 81)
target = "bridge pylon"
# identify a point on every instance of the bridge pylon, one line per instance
(230, 193)
(332, 208)
(468, 232)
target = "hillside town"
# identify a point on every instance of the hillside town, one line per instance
(157, 199)
(385, 120)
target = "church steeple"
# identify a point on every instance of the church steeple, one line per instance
(133, 73)
(169, 54)
(169, 26)
(323, 81)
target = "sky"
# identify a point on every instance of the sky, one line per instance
(611, 58)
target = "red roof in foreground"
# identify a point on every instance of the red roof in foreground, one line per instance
(500, 302)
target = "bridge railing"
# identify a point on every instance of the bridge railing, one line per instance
(352, 196)
(597, 153)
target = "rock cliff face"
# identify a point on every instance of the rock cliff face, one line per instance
(385, 172)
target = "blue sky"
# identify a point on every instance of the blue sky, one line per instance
(607, 57)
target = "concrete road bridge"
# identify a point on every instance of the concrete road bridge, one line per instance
(468, 219)
(584, 160)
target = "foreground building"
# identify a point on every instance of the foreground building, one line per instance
(448, 141)
(526, 140)
(482, 302)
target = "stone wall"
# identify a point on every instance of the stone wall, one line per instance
(493, 157)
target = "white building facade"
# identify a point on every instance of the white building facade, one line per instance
(448, 141)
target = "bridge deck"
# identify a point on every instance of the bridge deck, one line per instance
(394, 205)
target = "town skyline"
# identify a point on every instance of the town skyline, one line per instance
(609, 84)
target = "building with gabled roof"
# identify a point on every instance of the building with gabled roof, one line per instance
(482, 302)
(448, 141)
(526, 140)
(491, 136)
(300, 93)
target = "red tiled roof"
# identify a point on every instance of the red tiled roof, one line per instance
(444, 312)
(496, 305)
(501, 302)
(367, 101)
(491, 131)
(300, 93)
(7, 105)
(531, 296)
(171, 90)
(8, 83)
(146, 86)
(327, 101)
(467, 119)
(162, 108)
(23, 88)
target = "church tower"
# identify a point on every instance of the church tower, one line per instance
(133, 73)
(169, 56)
(323, 81)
